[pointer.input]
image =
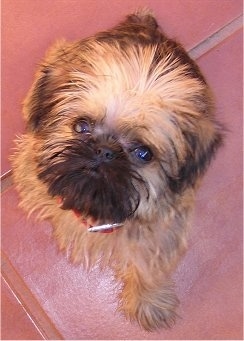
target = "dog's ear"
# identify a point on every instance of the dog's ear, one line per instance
(39, 100)
(37, 103)
(199, 153)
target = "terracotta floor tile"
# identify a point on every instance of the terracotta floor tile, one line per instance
(223, 67)
(15, 323)
(29, 304)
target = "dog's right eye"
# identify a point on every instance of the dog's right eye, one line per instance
(82, 127)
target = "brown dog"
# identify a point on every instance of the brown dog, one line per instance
(120, 129)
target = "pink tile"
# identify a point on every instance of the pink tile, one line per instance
(211, 290)
(15, 323)
(223, 67)
(29, 27)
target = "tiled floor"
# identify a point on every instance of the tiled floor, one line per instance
(46, 297)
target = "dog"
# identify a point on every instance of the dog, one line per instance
(120, 129)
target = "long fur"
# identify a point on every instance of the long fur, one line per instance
(148, 108)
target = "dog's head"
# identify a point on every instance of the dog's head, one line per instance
(123, 123)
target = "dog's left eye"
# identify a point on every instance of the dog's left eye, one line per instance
(143, 153)
(82, 127)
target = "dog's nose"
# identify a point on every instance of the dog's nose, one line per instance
(105, 154)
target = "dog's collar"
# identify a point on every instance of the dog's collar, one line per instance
(105, 228)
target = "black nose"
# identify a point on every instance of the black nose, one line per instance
(105, 154)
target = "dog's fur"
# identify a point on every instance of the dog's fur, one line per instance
(120, 129)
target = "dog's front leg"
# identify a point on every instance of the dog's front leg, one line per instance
(148, 298)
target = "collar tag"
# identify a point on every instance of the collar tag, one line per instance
(107, 228)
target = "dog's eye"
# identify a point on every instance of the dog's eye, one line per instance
(82, 127)
(143, 153)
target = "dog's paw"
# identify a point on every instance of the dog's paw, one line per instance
(152, 310)
(151, 316)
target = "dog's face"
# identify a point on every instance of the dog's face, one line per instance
(120, 131)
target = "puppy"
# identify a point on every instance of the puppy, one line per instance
(119, 132)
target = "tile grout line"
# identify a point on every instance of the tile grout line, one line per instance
(6, 181)
(23, 307)
(216, 38)
(27, 300)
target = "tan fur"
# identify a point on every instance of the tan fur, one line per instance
(116, 86)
